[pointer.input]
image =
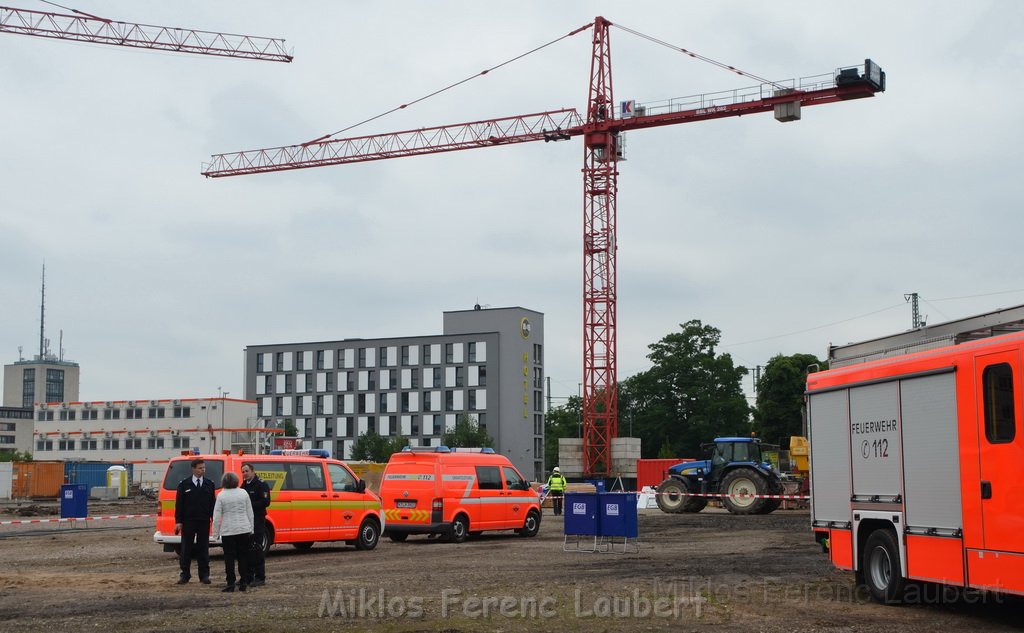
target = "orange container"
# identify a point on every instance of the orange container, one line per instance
(37, 479)
(651, 472)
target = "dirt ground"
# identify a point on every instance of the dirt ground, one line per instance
(708, 572)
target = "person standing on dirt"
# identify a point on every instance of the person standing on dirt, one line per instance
(556, 489)
(259, 498)
(232, 525)
(193, 509)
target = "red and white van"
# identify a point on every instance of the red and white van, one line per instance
(456, 493)
(313, 498)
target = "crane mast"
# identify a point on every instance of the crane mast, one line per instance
(96, 30)
(600, 188)
(601, 130)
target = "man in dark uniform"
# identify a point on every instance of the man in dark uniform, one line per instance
(193, 510)
(259, 496)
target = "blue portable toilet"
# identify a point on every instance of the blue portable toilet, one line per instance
(74, 501)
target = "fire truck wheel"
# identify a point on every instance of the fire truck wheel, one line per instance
(369, 534)
(881, 567)
(739, 485)
(459, 530)
(531, 526)
(397, 537)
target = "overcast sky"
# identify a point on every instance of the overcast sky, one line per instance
(783, 236)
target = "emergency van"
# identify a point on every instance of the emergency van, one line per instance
(455, 493)
(916, 451)
(312, 498)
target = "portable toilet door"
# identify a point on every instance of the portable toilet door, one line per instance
(117, 477)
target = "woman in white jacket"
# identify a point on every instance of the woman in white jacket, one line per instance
(232, 524)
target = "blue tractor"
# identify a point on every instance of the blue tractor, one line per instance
(735, 468)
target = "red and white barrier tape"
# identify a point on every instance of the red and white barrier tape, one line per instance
(741, 495)
(73, 520)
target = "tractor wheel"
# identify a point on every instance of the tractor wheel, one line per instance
(739, 486)
(674, 497)
(771, 505)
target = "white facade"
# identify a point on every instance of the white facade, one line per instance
(143, 431)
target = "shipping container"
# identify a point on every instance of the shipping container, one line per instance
(93, 474)
(651, 472)
(37, 479)
(6, 472)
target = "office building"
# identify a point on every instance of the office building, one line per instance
(486, 364)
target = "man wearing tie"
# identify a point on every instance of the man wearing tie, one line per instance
(193, 509)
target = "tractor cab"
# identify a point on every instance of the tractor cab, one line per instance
(734, 451)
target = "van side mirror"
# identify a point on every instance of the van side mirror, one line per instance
(361, 485)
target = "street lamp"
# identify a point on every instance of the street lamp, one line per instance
(222, 398)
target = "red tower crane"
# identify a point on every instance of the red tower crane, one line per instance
(600, 128)
(96, 30)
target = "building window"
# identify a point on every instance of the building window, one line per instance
(319, 405)
(362, 357)
(426, 355)
(133, 443)
(320, 359)
(181, 442)
(405, 402)
(44, 445)
(157, 412)
(66, 445)
(28, 388)
(278, 405)
(460, 376)
(90, 414)
(483, 375)
(111, 445)
(449, 353)
(66, 415)
(382, 357)
(405, 355)
(54, 385)
(449, 400)
(259, 363)
(182, 412)
(300, 360)
(155, 442)
(472, 352)
(538, 354)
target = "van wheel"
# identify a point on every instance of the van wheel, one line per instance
(398, 537)
(267, 540)
(531, 526)
(304, 545)
(459, 530)
(881, 568)
(369, 534)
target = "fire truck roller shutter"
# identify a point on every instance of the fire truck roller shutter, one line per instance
(829, 430)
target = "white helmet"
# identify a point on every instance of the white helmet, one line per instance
(556, 470)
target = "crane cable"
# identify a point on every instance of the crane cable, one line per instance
(449, 87)
(700, 57)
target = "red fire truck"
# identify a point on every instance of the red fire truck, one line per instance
(917, 452)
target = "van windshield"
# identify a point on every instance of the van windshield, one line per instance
(182, 468)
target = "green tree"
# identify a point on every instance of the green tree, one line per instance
(778, 413)
(15, 456)
(563, 421)
(690, 395)
(373, 447)
(467, 434)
